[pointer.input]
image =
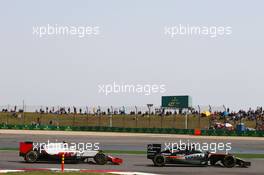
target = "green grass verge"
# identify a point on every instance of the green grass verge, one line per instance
(8, 149)
(52, 173)
(249, 156)
(120, 152)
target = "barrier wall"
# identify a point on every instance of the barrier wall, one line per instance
(136, 130)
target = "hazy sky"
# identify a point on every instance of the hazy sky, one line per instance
(131, 48)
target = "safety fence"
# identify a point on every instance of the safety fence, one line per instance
(192, 121)
(136, 130)
(99, 109)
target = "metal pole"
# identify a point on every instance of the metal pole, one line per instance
(74, 117)
(111, 121)
(23, 114)
(186, 121)
(58, 118)
(149, 108)
(87, 115)
(7, 114)
(40, 117)
(87, 111)
(123, 117)
(199, 113)
(99, 110)
(136, 116)
(174, 119)
(161, 121)
(149, 117)
(111, 117)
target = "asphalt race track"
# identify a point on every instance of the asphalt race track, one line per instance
(139, 163)
(10, 160)
(128, 141)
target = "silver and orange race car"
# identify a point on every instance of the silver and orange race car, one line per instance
(54, 152)
(191, 157)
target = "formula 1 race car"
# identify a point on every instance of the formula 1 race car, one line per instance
(54, 152)
(192, 157)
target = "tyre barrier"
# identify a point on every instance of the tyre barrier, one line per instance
(197, 132)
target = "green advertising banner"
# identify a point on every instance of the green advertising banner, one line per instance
(180, 102)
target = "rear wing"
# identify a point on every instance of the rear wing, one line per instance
(25, 147)
(153, 150)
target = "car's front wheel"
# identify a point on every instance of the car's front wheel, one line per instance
(100, 159)
(31, 157)
(159, 160)
(204, 163)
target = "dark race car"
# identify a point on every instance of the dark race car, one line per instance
(190, 156)
(54, 151)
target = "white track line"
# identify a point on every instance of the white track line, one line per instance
(66, 169)
(77, 170)
(10, 171)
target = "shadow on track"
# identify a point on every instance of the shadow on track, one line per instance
(57, 163)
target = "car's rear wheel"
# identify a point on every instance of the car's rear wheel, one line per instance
(159, 160)
(229, 161)
(100, 159)
(213, 162)
(31, 157)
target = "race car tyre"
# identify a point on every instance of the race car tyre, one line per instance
(229, 161)
(159, 160)
(204, 163)
(100, 159)
(242, 163)
(31, 157)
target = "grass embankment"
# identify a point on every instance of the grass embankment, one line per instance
(127, 121)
